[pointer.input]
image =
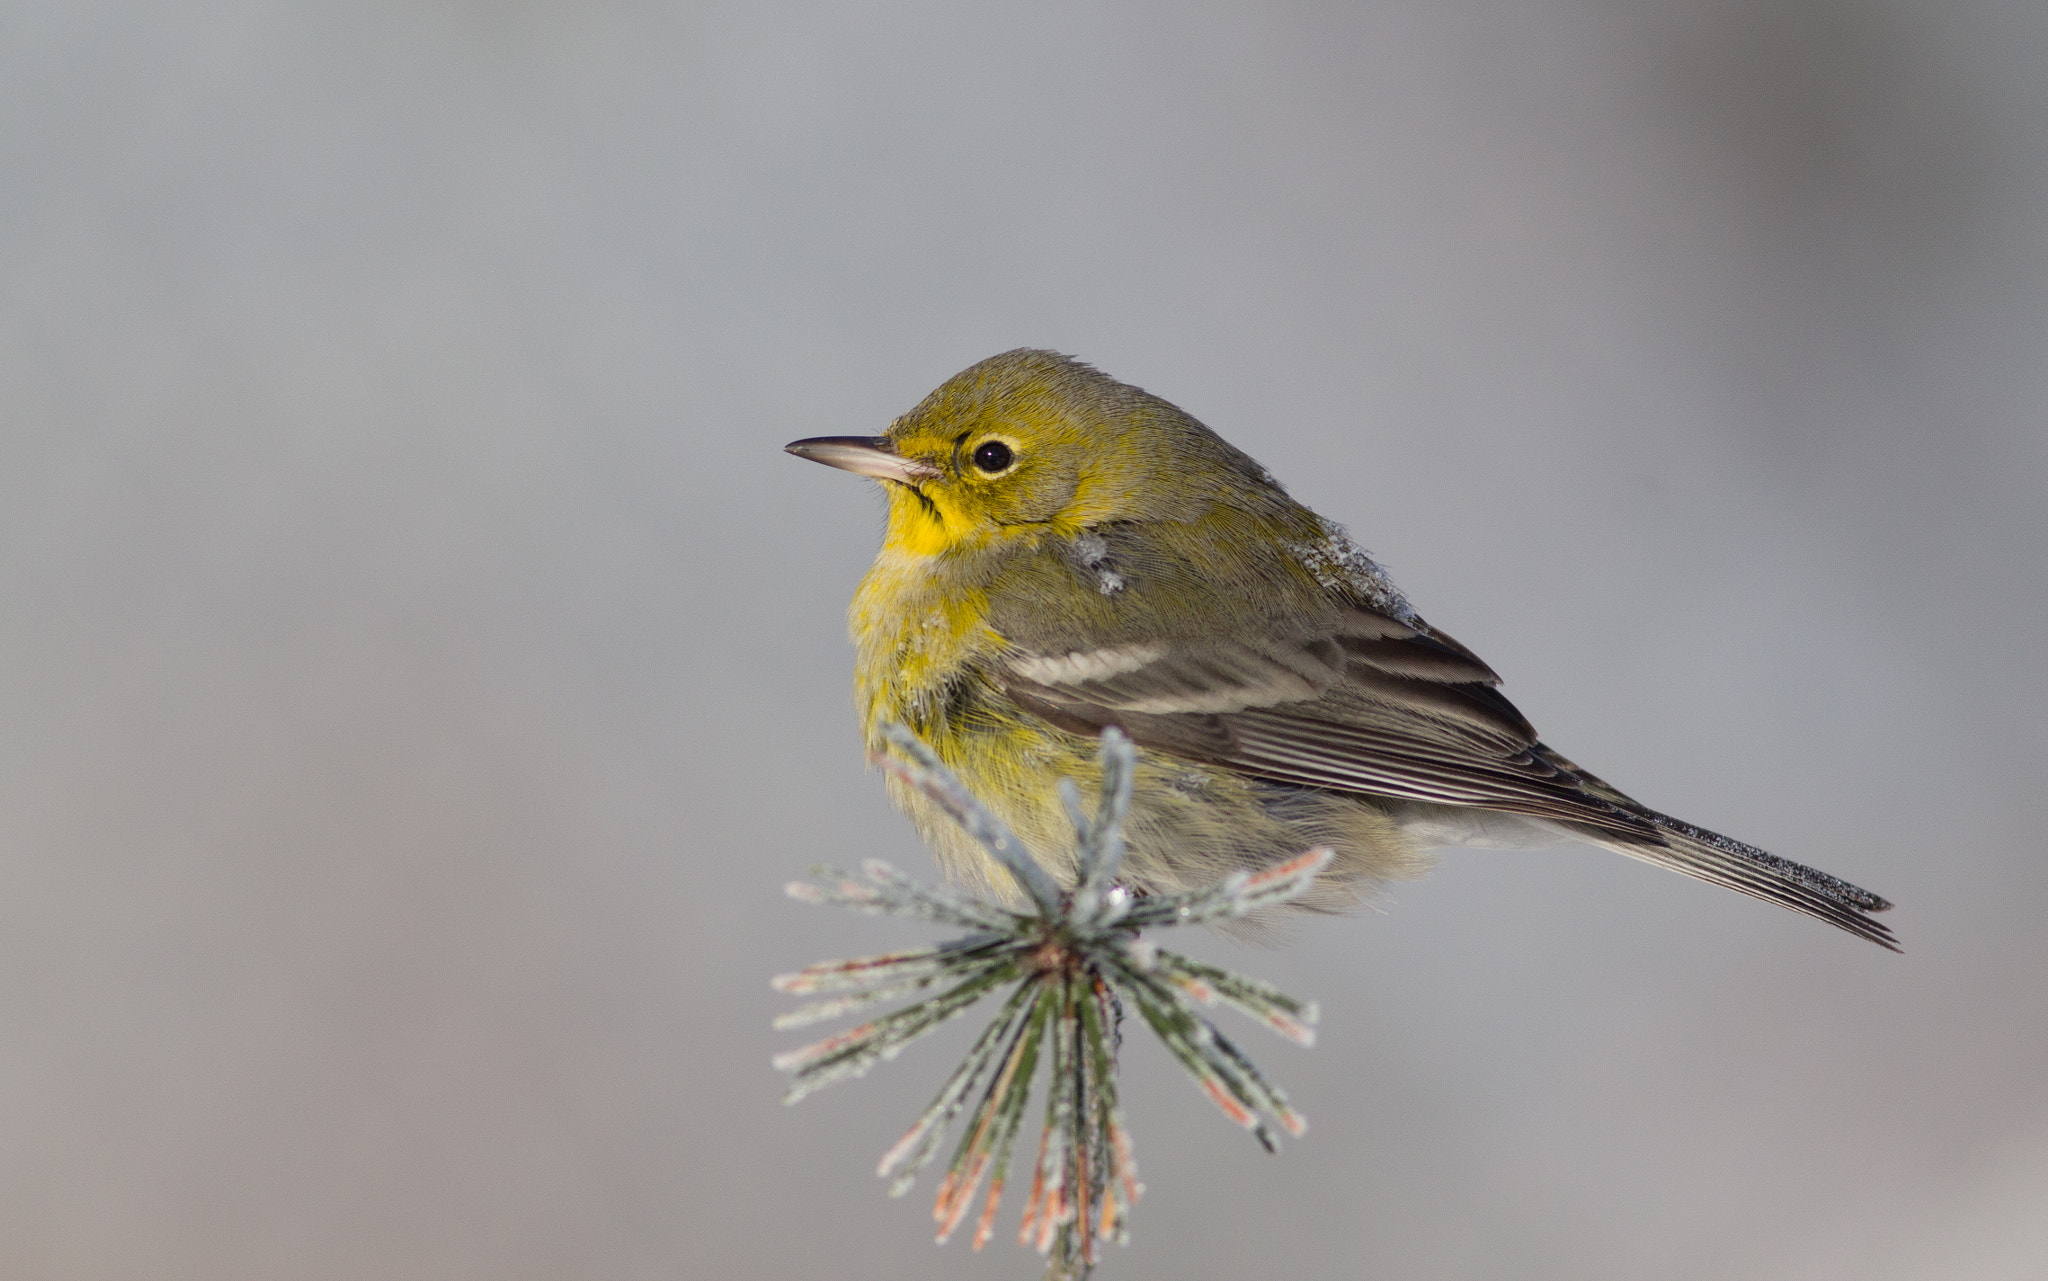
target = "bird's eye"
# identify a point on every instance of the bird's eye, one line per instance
(992, 456)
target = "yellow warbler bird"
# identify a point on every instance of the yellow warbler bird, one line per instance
(1066, 552)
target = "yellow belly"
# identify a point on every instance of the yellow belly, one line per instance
(924, 650)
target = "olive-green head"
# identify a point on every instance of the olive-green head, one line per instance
(1033, 440)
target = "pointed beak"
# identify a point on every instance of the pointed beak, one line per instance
(867, 455)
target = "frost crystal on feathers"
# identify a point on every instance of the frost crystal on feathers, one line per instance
(1094, 554)
(1342, 566)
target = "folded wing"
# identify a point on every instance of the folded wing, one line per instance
(1375, 705)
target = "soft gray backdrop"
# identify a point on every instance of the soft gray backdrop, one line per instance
(420, 669)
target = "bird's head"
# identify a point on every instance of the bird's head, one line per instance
(1032, 442)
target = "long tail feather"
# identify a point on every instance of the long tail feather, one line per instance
(1748, 870)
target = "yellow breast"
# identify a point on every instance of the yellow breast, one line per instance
(914, 627)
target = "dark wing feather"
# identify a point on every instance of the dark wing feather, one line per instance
(1378, 706)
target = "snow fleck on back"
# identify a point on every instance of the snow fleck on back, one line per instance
(1343, 566)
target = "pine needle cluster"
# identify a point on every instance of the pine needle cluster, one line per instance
(1072, 965)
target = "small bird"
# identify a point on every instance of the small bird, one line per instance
(1066, 552)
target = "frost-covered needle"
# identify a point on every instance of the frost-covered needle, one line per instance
(1071, 967)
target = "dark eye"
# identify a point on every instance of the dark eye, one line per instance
(992, 456)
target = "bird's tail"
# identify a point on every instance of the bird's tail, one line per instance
(1669, 842)
(1746, 869)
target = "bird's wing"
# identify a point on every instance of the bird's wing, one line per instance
(1377, 705)
(1370, 705)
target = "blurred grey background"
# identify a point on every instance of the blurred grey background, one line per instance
(420, 668)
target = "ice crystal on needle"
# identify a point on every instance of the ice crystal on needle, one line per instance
(1072, 966)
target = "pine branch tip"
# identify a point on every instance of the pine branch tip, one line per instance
(1073, 964)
